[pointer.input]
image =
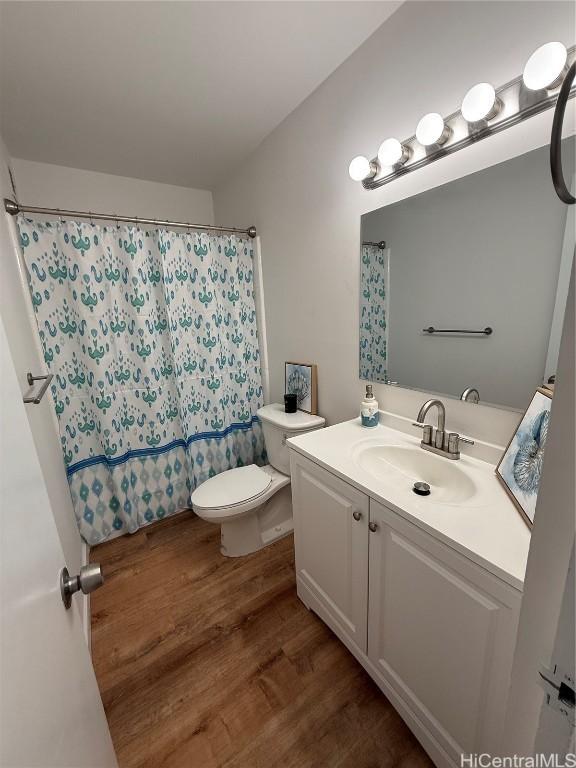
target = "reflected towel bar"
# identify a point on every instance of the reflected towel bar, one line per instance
(485, 331)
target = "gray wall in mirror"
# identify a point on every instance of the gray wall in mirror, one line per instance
(485, 250)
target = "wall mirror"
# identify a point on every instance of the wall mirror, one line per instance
(463, 287)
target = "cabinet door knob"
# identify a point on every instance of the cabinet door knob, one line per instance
(373, 527)
(357, 515)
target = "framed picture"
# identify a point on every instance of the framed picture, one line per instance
(520, 467)
(301, 380)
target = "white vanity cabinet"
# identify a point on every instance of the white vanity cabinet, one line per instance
(434, 629)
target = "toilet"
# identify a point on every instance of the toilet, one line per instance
(253, 505)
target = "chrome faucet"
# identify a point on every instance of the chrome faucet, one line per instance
(439, 433)
(470, 395)
(438, 440)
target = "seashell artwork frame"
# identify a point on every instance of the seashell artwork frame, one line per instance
(520, 467)
(301, 379)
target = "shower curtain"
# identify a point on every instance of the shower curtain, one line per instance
(153, 342)
(374, 280)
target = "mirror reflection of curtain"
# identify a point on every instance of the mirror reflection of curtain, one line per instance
(374, 282)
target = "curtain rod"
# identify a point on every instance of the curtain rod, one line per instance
(13, 208)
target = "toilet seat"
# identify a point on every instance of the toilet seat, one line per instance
(231, 489)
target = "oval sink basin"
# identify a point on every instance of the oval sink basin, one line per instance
(404, 465)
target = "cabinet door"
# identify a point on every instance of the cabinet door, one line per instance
(331, 546)
(441, 632)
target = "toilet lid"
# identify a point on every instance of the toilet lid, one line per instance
(235, 486)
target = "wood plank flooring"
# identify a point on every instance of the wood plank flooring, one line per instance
(205, 661)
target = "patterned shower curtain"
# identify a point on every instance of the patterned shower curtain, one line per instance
(152, 339)
(374, 288)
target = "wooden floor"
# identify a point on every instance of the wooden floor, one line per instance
(207, 661)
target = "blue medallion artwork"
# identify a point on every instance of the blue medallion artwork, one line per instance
(153, 342)
(374, 288)
(521, 464)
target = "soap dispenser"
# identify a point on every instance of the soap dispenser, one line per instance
(369, 409)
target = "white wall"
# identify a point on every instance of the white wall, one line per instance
(55, 186)
(295, 188)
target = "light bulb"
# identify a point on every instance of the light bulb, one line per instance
(361, 168)
(480, 103)
(545, 67)
(392, 152)
(432, 130)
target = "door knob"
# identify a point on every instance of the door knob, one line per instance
(373, 527)
(89, 579)
(357, 515)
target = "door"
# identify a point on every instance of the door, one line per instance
(441, 632)
(331, 545)
(557, 718)
(542, 619)
(27, 355)
(51, 715)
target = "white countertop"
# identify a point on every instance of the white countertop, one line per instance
(489, 530)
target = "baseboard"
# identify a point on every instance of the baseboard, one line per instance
(435, 751)
(85, 602)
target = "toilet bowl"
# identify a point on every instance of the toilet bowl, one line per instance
(253, 505)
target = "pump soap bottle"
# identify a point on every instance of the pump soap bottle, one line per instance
(369, 409)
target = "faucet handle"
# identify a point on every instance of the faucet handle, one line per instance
(453, 443)
(426, 431)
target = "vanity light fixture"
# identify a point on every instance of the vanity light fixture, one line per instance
(432, 130)
(392, 153)
(480, 103)
(546, 68)
(361, 168)
(485, 110)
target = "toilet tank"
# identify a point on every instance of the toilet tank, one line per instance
(278, 426)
